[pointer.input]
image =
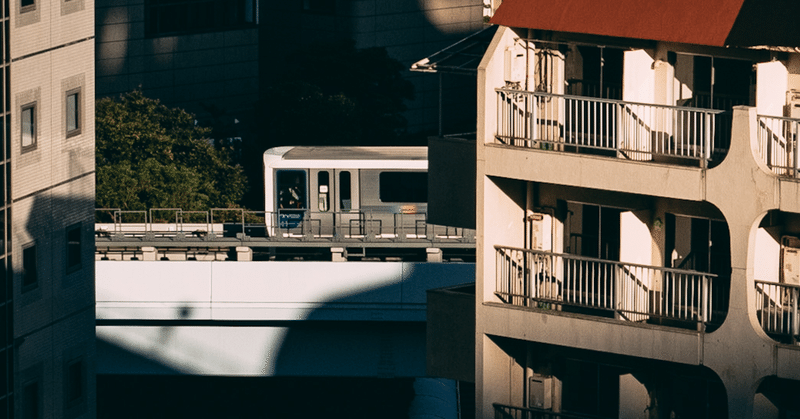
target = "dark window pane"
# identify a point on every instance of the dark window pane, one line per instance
(30, 276)
(345, 195)
(404, 187)
(30, 400)
(74, 381)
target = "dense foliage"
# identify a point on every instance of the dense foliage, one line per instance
(151, 156)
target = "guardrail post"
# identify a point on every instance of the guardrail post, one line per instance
(794, 131)
(708, 141)
(795, 325)
(702, 316)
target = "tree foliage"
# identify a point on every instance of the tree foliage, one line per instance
(152, 156)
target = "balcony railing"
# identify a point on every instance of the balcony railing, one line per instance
(539, 279)
(636, 131)
(776, 308)
(777, 144)
(502, 411)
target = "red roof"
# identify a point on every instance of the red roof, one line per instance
(703, 22)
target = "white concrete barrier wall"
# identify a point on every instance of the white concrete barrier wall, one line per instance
(198, 290)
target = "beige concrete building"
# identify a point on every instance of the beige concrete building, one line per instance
(47, 172)
(638, 211)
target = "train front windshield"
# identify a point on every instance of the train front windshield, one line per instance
(292, 197)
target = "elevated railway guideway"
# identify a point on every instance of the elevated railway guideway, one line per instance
(237, 234)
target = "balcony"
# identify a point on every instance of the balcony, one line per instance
(776, 308)
(613, 128)
(777, 144)
(626, 291)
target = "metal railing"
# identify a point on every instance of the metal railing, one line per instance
(540, 279)
(284, 225)
(777, 144)
(636, 131)
(502, 411)
(776, 308)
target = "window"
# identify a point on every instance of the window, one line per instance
(30, 400)
(74, 383)
(403, 187)
(170, 17)
(345, 200)
(30, 276)
(27, 5)
(291, 189)
(323, 193)
(73, 234)
(28, 122)
(73, 113)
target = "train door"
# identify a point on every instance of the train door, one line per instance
(292, 199)
(347, 203)
(322, 212)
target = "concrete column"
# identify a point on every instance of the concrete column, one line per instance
(244, 253)
(149, 253)
(741, 366)
(772, 82)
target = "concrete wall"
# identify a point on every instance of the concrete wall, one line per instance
(52, 188)
(197, 290)
(267, 318)
(450, 338)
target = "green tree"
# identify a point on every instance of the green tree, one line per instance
(152, 156)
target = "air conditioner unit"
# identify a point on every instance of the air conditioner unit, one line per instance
(792, 108)
(514, 70)
(790, 261)
(540, 392)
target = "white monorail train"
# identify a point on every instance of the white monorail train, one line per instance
(346, 191)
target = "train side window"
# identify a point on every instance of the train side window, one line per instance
(323, 186)
(345, 197)
(291, 189)
(403, 186)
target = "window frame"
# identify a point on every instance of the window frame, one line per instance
(78, 114)
(73, 242)
(26, 397)
(34, 114)
(25, 8)
(73, 398)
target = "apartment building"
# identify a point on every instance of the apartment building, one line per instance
(638, 210)
(47, 177)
